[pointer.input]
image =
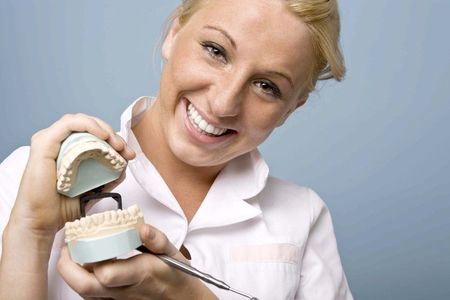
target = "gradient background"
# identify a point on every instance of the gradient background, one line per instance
(375, 147)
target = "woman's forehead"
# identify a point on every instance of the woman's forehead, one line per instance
(263, 28)
(255, 16)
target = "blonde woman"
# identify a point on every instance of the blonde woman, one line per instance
(235, 70)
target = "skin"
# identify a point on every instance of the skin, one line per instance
(235, 87)
(225, 90)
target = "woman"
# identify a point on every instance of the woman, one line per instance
(235, 71)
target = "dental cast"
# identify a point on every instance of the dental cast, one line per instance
(104, 223)
(84, 148)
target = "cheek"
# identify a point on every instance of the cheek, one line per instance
(260, 124)
(187, 68)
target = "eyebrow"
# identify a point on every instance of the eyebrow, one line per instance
(284, 76)
(226, 34)
(233, 43)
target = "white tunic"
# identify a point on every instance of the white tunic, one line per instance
(261, 235)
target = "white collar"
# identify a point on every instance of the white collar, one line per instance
(242, 178)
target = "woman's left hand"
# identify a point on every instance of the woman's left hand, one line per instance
(143, 276)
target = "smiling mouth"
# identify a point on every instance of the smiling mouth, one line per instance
(202, 126)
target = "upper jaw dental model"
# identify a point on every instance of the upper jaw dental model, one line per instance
(86, 163)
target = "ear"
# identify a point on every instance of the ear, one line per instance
(300, 102)
(170, 39)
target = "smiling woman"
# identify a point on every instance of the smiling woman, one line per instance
(235, 80)
(233, 74)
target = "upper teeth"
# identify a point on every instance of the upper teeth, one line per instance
(201, 124)
(81, 150)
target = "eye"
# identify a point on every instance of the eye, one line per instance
(269, 88)
(215, 51)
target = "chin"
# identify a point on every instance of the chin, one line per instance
(195, 158)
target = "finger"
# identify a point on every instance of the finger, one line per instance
(50, 139)
(157, 242)
(116, 141)
(126, 151)
(78, 123)
(80, 279)
(128, 272)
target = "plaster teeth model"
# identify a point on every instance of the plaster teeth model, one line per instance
(104, 235)
(86, 162)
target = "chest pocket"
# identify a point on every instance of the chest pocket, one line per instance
(271, 270)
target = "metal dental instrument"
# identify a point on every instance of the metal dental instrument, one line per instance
(194, 272)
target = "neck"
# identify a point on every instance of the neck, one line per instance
(189, 184)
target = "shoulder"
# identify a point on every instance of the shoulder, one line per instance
(289, 202)
(284, 193)
(11, 170)
(15, 161)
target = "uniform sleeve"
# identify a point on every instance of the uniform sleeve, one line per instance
(11, 170)
(322, 276)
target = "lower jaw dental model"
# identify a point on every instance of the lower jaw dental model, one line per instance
(85, 164)
(104, 235)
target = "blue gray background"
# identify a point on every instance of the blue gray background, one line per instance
(375, 147)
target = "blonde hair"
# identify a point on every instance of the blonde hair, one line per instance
(323, 21)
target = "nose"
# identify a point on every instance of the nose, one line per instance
(228, 95)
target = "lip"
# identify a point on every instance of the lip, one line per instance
(206, 118)
(199, 137)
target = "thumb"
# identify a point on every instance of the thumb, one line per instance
(158, 243)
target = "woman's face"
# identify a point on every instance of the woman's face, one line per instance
(234, 72)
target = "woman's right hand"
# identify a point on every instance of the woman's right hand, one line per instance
(39, 209)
